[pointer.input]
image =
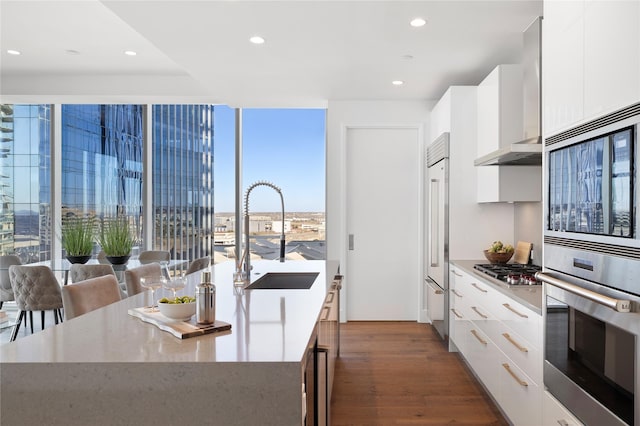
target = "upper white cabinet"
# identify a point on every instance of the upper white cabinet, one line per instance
(590, 60)
(562, 65)
(500, 109)
(500, 123)
(611, 59)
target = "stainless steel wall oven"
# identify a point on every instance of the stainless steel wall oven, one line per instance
(591, 269)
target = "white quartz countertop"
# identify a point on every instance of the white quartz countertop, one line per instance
(529, 296)
(267, 326)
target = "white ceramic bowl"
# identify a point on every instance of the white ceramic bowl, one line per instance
(178, 311)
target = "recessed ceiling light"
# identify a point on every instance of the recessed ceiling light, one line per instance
(130, 53)
(407, 57)
(72, 52)
(418, 22)
(14, 52)
(397, 82)
(256, 40)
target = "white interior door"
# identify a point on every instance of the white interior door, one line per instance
(383, 206)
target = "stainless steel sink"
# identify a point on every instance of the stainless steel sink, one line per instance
(284, 281)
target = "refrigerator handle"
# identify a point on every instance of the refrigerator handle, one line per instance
(434, 222)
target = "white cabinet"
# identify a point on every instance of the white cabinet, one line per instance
(562, 65)
(500, 123)
(611, 60)
(500, 109)
(501, 340)
(554, 413)
(591, 60)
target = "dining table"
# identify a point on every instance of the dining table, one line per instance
(62, 265)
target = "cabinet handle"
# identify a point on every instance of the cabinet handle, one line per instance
(454, 291)
(456, 313)
(329, 298)
(514, 343)
(480, 339)
(563, 422)
(326, 310)
(506, 305)
(479, 288)
(479, 313)
(515, 377)
(455, 273)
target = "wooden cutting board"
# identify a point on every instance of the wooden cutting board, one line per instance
(523, 251)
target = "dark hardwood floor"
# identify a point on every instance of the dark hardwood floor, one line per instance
(400, 373)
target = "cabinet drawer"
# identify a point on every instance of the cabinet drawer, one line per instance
(554, 413)
(482, 355)
(519, 396)
(518, 318)
(519, 350)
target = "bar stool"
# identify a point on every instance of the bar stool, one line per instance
(198, 265)
(132, 277)
(85, 296)
(35, 289)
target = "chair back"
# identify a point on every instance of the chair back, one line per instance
(150, 256)
(198, 265)
(132, 277)
(35, 288)
(6, 293)
(88, 295)
(81, 272)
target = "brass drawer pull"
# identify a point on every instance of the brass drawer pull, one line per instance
(479, 313)
(456, 274)
(454, 291)
(329, 298)
(326, 309)
(562, 422)
(506, 305)
(515, 377)
(456, 313)
(480, 339)
(514, 343)
(479, 288)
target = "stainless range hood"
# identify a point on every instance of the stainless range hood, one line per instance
(527, 152)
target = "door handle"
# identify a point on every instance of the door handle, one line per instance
(350, 241)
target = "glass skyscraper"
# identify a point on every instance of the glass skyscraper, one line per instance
(183, 179)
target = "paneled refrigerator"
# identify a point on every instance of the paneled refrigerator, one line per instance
(437, 250)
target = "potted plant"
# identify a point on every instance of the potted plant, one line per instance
(77, 238)
(116, 240)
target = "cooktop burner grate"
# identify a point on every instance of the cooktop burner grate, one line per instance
(507, 271)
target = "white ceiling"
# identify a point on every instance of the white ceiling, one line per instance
(198, 51)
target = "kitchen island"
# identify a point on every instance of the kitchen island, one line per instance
(110, 368)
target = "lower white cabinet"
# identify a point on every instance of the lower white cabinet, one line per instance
(502, 344)
(555, 414)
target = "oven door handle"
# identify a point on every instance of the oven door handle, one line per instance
(609, 302)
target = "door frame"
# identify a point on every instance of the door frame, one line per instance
(344, 268)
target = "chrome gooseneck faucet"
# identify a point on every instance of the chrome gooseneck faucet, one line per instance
(246, 254)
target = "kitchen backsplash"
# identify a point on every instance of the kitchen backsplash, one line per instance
(528, 227)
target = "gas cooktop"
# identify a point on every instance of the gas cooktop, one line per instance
(511, 273)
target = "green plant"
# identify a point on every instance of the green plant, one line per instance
(115, 238)
(78, 235)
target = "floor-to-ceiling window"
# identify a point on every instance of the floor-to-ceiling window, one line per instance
(102, 162)
(102, 174)
(285, 147)
(24, 181)
(183, 179)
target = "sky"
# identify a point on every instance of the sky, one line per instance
(283, 146)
